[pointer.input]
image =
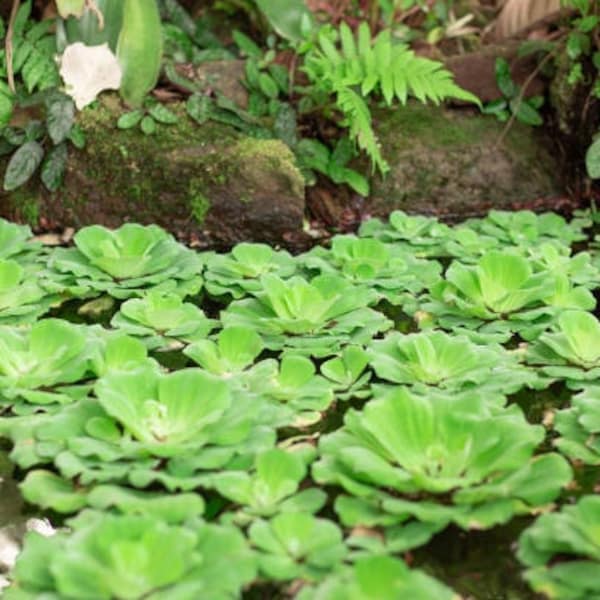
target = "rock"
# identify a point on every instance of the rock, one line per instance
(207, 184)
(449, 163)
(222, 76)
(475, 71)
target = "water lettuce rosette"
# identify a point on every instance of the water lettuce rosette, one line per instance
(316, 317)
(561, 551)
(128, 261)
(416, 463)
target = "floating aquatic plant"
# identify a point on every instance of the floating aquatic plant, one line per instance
(162, 320)
(297, 545)
(128, 261)
(394, 273)
(562, 552)
(425, 461)
(377, 577)
(426, 236)
(579, 427)
(501, 295)
(316, 317)
(437, 360)
(238, 273)
(107, 556)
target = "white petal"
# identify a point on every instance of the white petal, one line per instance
(88, 70)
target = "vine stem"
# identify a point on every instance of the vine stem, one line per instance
(9, 46)
(521, 95)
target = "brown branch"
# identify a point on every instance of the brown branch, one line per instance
(8, 45)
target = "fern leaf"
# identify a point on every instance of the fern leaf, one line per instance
(358, 119)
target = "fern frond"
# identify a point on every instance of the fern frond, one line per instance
(358, 119)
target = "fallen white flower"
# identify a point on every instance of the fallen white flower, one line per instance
(88, 70)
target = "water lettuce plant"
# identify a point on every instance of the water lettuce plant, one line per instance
(579, 427)
(525, 228)
(147, 426)
(438, 360)
(389, 270)
(109, 556)
(348, 373)
(561, 551)
(424, 236)
(499, 296)
(238, 273)
(377, 577)
(162, 320)
(16, 241)
(570, 350)
(425, 461)
(315, 317)
(233, 352)
(296, 545)
(128, 261)
(271, 487)
(34, 360)
(23, 298)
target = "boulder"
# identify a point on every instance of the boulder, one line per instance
(208, 184)
(456, 163)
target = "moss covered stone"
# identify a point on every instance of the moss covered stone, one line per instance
(209, 182)
(456, 162)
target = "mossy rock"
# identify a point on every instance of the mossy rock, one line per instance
(207, 184)
(456, 163)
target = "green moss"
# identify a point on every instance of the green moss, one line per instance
(26, 205)
(199, 203)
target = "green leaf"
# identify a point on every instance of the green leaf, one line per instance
(6, 109)
(287, 18)
(148, 125)
(47, 490)
(162, 114)
(592, 160)
(77, 137)
(199, 107)
(54, 166)
(268, 86)
(60, 118)
(130, 119)
(23, 165)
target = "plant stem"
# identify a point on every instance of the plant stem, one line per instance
(8, 45)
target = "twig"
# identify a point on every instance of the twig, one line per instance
(521, 96)
(8, 45)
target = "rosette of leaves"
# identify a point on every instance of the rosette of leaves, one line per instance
(271, 487)
(570, 349)
(377, 577)
(297, 545)
(129, 261)
(526, 229)
(562, 551)
(469, 245)
(348, 373)
(238, 273)
(499, 296)
(424, 236)
(36, 363)
(146, 426)
(15, 240)
(107, 556)
(316, 317)
(385, 268)
(579, 269)
(434, 360)
(232, 354)
(22, 298)
(294, 385)
(414, 463)
(579, 427)
(162, 320)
